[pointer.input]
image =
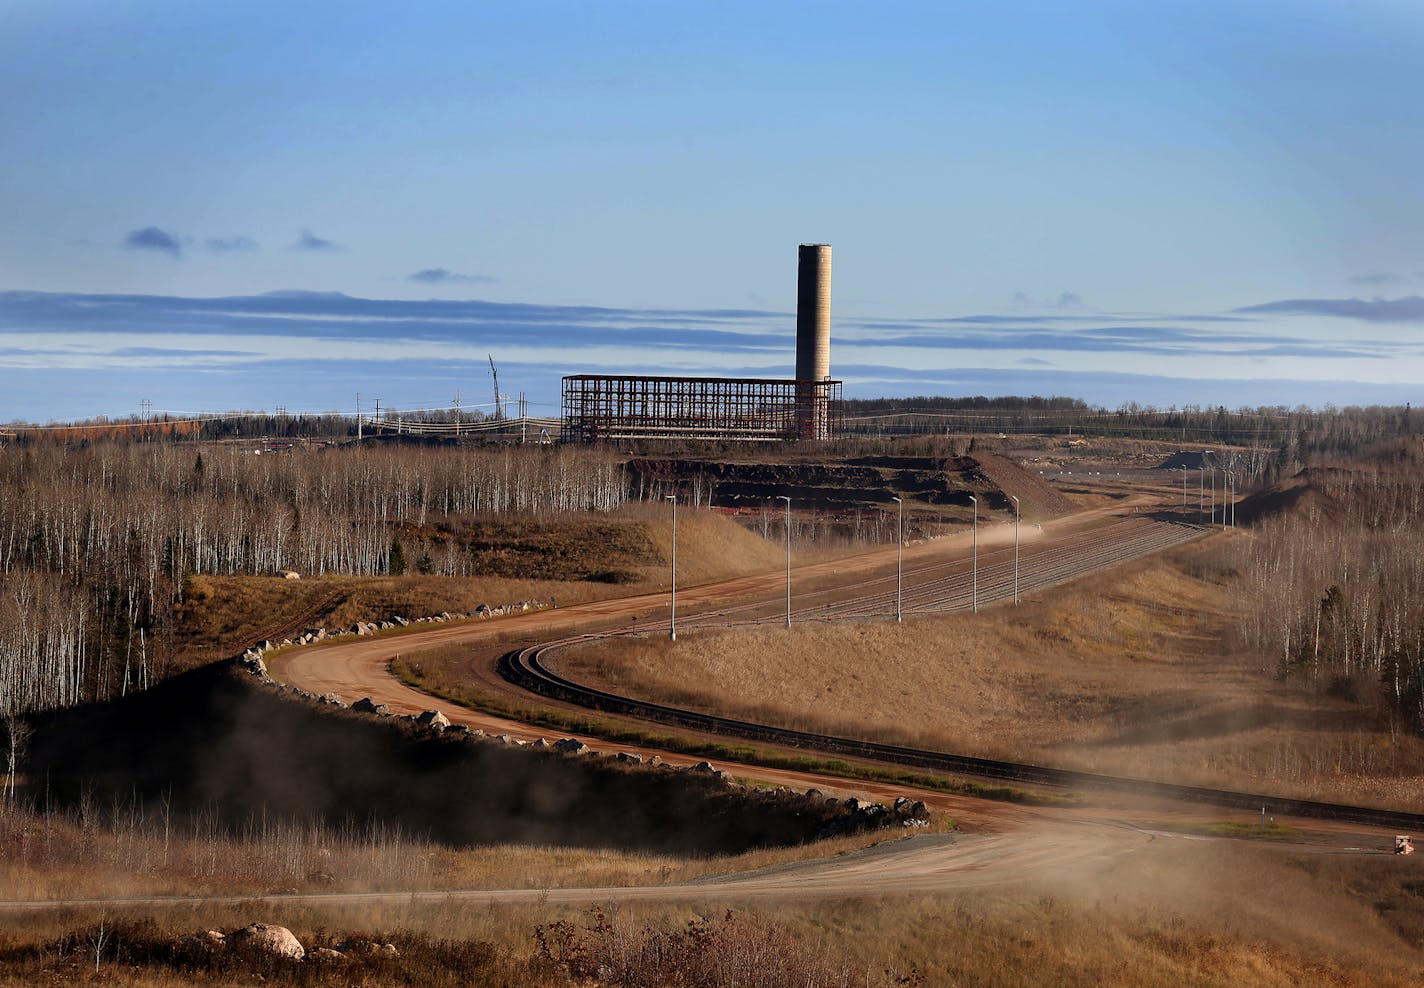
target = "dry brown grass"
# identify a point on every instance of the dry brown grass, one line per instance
(1206, 913)
(127, 851)
(1127, 672)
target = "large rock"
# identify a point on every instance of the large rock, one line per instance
(434, 720)
(571, 746)
(368, 706)
(269, 939)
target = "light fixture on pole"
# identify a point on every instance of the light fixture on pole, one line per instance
(672, 622)
(975, 530)
(1016, 549)
(783, 497)
(899, 557)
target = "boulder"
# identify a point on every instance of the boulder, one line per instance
(911, 809)
(434, 720)
(704, 768)
(325, 955)
(276, 940)
(629, 759)
(368, 706)
(571, 746)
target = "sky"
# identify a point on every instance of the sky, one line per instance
(212, 206)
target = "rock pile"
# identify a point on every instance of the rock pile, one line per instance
(365, 628)
(281, 942)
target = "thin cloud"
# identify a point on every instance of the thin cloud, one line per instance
(225, 245)
(152, 238)
(1409, 308)
(443, 276)
(1383, 278)
(310, 241)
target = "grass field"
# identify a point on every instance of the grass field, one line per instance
(1218, 913)
(1127, 672)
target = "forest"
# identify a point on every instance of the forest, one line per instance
(1334, 584)
(100, 534)
(97, 541)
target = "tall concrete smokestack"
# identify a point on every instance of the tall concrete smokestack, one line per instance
(813, 312)
(813, 338)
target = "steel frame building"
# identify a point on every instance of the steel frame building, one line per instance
(600, 408)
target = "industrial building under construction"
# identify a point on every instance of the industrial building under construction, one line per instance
(601, 407)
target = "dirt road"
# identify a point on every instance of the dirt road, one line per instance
(1064, 854)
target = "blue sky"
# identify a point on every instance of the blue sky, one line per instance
(217, 206)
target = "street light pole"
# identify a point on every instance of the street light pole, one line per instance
(783, 497)
(1016, 549)
(672, 623)
(899, 557)
(975, 530)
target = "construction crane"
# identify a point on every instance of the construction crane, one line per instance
(498, 411)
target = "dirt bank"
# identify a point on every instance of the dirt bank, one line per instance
(221, 740)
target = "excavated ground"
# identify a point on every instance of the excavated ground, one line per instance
(220, 740)
(855, 482)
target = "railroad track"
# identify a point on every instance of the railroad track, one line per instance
(939, 588)
(526, 668)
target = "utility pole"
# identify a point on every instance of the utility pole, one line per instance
(783, 497)
(457, 413)
(1016, 549)
(358, 418)
(975, 598)
(672, 622)
(899, 557)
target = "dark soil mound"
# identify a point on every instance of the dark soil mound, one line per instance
(1191, 459)
(853, 482)
(218, 738)
(1299, 495)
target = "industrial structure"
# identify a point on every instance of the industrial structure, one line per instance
(600, 407)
